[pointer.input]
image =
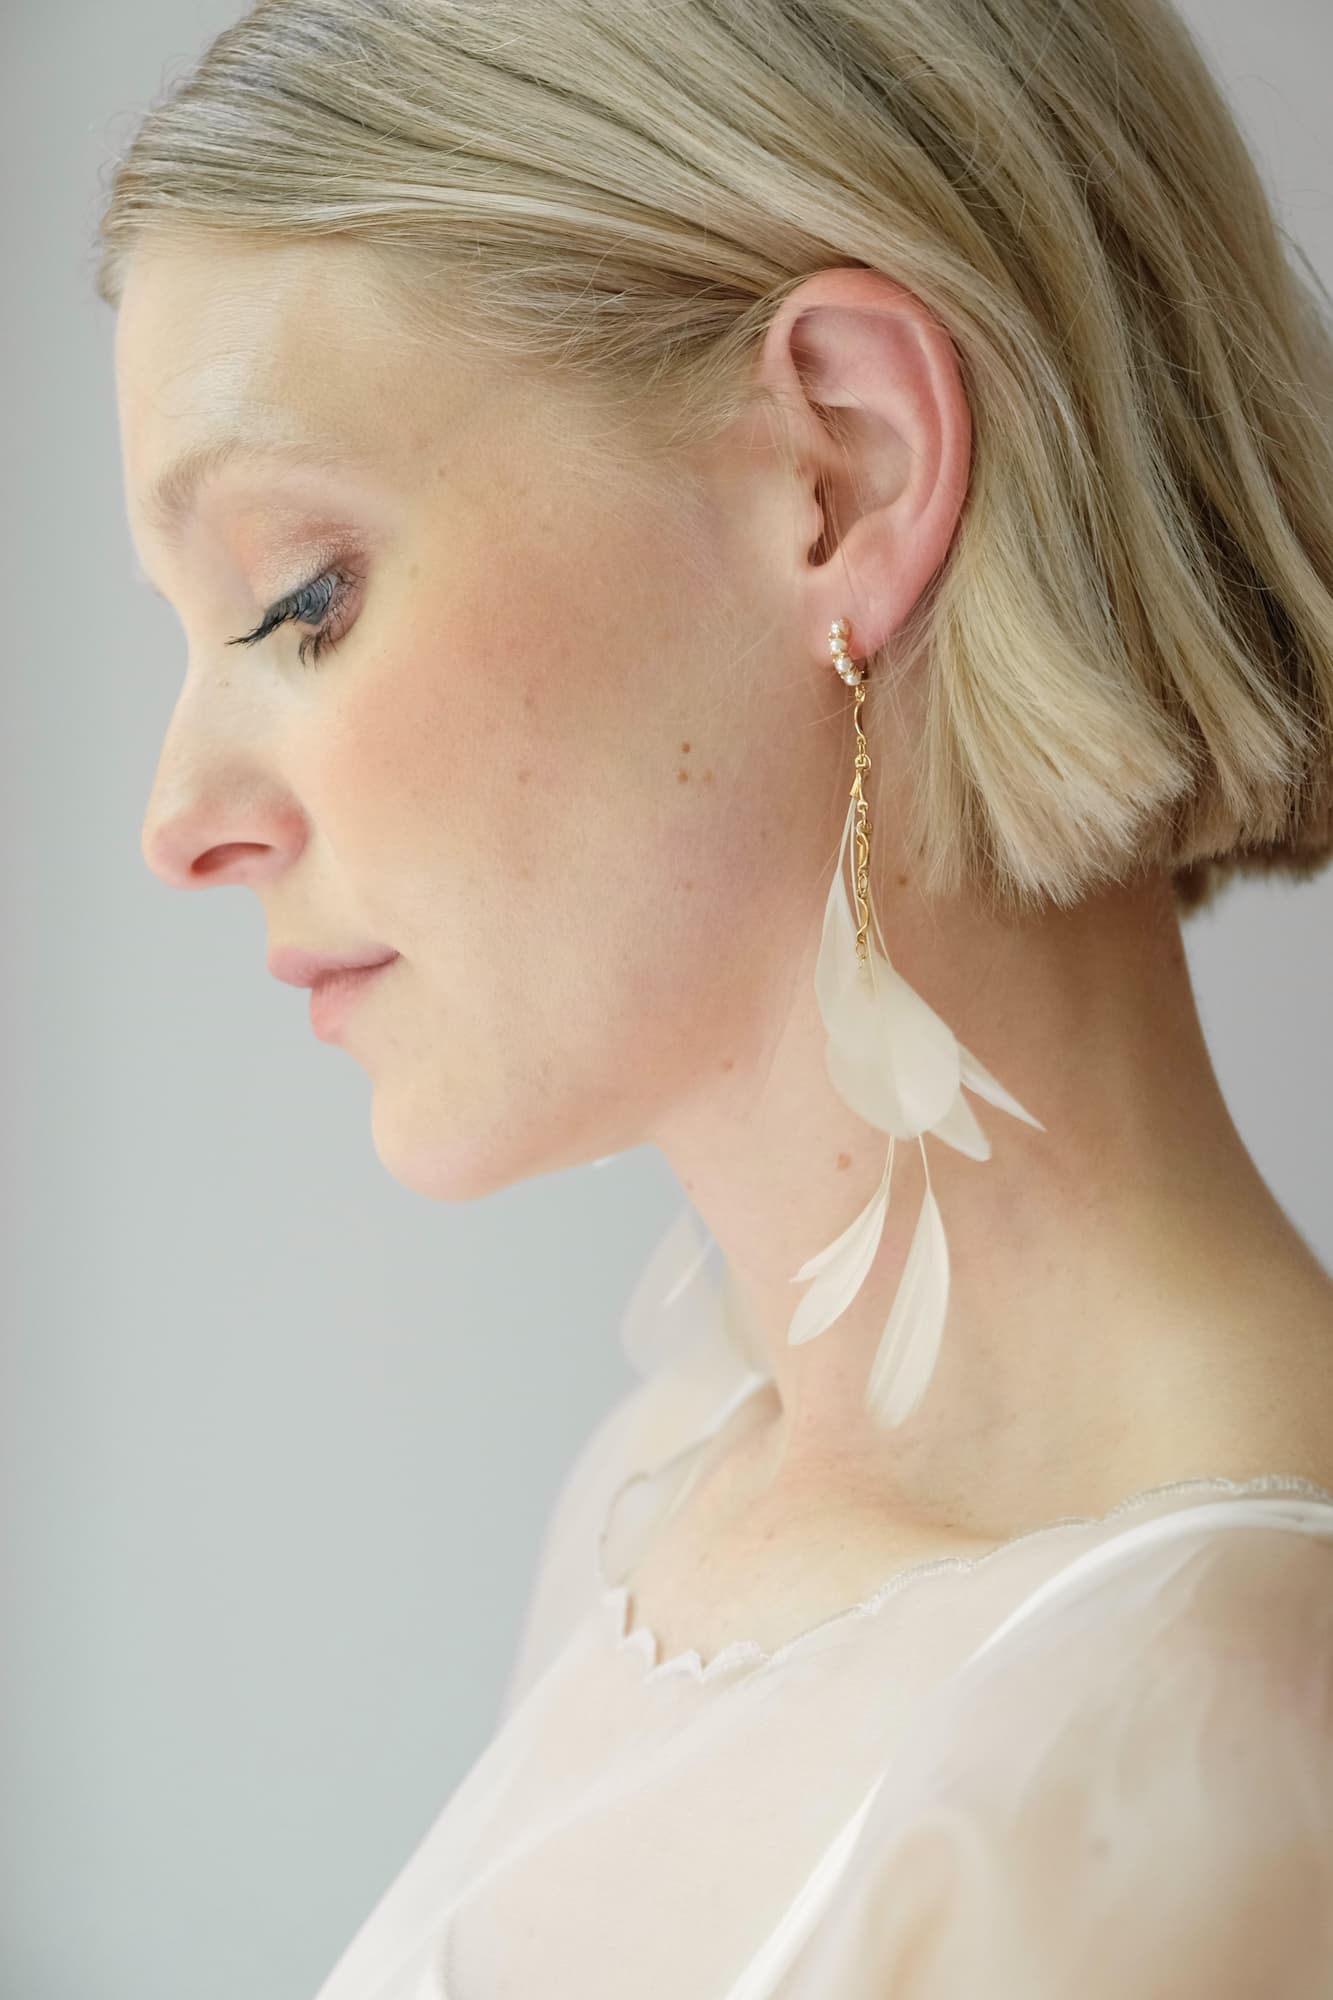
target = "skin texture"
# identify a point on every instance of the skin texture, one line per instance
(579, 757)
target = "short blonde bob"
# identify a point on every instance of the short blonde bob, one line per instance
(1128, 651)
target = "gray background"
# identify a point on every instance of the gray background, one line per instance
(279, 1434)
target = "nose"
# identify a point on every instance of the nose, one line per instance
(206, 838)
(218, 811)
(181, 866)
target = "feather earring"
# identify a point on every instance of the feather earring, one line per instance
(893, 1060)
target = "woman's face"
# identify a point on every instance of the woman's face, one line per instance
(571, 752)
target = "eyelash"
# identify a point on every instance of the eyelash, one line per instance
(315, 603)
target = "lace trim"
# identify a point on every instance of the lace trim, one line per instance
(748, 1654)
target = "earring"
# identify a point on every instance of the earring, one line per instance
(893, 1060)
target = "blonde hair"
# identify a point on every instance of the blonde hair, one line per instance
(1128, 651)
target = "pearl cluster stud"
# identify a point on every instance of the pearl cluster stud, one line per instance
(838, 633)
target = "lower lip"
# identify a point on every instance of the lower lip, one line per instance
(331, 997)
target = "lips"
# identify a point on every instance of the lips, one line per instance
(296, 966)
(335, 993)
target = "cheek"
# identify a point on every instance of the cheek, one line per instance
(541, 798)
(390, 757)
(482, 775)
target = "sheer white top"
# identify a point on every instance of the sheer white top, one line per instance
(1096, 1761)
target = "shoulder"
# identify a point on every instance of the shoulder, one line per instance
(1246, 1578)
(1189, 1686)
(1259, 1599)
(1137, 1798)
(1217, 1612)
(1181, 1676)
(1235, 1619)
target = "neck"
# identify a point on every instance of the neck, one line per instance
(1127, 1302)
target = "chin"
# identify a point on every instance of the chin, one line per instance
(447, 1163)
(446, 1171)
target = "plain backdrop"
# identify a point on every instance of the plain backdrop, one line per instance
(280, 1436)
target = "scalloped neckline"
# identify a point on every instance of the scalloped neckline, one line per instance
(748, 1655)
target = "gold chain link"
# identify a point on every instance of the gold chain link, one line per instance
(863, 828)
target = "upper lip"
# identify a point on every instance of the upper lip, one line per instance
(305, 968)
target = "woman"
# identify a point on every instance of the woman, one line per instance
(814, 523)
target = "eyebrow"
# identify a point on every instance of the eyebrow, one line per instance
(174, 493)
(172, 496)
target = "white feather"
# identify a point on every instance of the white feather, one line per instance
(979, 1079)
(890, 1057)
(910, 1343)
(896, 1063)
(959, 1128)
(836, 963)
(841, 1268)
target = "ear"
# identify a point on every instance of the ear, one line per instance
(893, 473)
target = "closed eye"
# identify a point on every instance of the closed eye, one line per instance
(316, 604)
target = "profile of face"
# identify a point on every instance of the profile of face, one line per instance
(566, 745)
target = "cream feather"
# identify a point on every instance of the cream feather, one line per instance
(839, 1271)
(897, 1063)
